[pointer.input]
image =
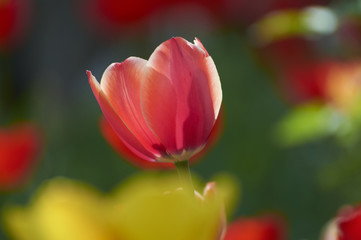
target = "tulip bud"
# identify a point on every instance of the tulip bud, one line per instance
(163, 109)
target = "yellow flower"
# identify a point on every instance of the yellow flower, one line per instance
(146, 207)
(62, 210)
(156, 208)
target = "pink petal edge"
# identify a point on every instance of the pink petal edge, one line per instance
(121, 83)
(117, 124)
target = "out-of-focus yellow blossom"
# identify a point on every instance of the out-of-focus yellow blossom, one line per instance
(156, 208)
(145, 207)
(343, 87)
(289, 23)
(62, 210)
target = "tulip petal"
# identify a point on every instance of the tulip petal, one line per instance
(159, 107)
(113, 139)
(181, 94)
(121, 85)
(95, 86)
(116, 122)
(200, 45)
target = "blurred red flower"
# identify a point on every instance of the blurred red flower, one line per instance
(257, 228)
(114, 141)
(13, 18)
(113, 15)
(306, 81)
(346, 226)
(349, 222)
(19, 151)
(121, 12)
(304, 75)
(329, 81)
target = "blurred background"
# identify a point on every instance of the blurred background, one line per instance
(291, 79)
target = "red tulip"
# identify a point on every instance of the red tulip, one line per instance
(113, 139)
(13, 18)
(163, 109)
(299, 74)
(261, 228)
(306, 81)
(332, 82)
(305, 75)
(349, 223)
(346, 226)
(19, 148)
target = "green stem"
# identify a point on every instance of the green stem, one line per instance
(184, 174)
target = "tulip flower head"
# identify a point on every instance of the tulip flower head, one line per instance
(163, 109)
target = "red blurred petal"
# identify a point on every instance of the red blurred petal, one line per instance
(19, 149)
(306, 82)
(261, 228)
(14, 16)
(350, 224)
(329, 81)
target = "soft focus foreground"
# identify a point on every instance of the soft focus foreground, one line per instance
(144, 207)
(290, 74)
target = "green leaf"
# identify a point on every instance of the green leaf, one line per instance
(308, 122)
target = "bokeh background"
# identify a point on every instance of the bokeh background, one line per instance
(294, 150)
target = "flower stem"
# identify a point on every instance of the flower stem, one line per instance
(184, 174)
